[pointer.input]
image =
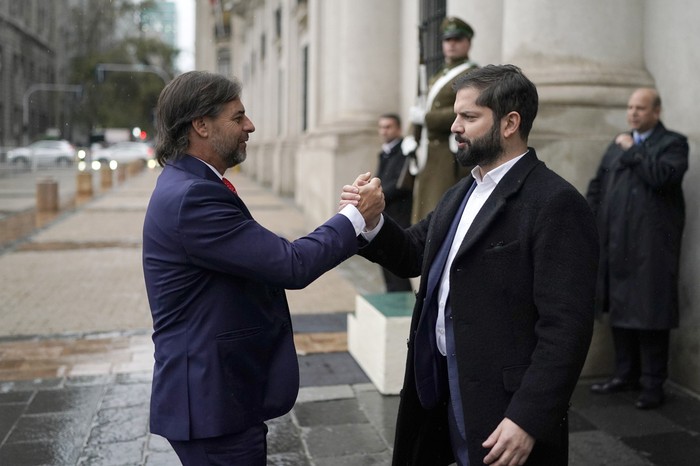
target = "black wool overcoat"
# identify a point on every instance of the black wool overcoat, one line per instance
(637, 198)
(521, 289)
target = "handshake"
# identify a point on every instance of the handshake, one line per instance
(366, 194)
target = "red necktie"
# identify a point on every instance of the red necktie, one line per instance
(229, 185)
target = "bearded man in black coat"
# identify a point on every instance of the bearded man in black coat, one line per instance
(638, 201)
(504, 313)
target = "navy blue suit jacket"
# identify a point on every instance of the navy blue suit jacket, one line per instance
(224, 349)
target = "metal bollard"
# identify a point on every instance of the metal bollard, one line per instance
(47, 195)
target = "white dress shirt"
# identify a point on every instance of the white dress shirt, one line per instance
(641, 137)
(484, 187)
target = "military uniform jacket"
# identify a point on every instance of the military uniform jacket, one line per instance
(442, 170)
(521, 289)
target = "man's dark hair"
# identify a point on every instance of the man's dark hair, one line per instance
(392, 116)
(503, 89)
(191, 95)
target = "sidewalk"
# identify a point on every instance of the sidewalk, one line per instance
(76, 354)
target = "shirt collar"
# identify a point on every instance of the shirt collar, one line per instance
(642, 136)
(496, 174)
(221, 177)
(388, 146)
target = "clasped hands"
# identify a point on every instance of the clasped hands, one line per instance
(366, 194)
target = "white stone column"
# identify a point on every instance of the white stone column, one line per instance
(585, 58)
(354, 63)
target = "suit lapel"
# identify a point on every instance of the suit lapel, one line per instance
(200, 170)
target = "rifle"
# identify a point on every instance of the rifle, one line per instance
(414, 145)
(422, 91)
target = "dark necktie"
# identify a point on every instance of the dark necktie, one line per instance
(229, 185)
(429, 364)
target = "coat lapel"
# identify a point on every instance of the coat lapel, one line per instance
(442, 218)
(659, 131)
(496, 203)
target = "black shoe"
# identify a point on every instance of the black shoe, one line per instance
(649, 400)
(614, 385)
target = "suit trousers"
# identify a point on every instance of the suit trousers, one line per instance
(641, 355)
(247, 448)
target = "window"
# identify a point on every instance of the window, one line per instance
(305, 88)
(223, 61)
(278, 23)
(432, 12)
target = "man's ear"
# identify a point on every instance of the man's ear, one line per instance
(510, 124)
(200, 127)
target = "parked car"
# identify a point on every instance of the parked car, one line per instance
(44, 152)
(124, 152)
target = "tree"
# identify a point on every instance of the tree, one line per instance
(111, 32)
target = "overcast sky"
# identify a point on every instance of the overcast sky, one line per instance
(185, 33)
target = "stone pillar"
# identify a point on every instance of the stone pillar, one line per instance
(585, 66)
(47, 195)
(351, 82)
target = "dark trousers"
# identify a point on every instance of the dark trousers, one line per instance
(395, 283)
(459, 444)
(641, 355)
(247, 448)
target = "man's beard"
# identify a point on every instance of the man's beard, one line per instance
(229, 153)
(481, 151)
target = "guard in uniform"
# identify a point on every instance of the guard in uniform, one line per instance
(435, 167)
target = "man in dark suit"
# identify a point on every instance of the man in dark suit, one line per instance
(224, 352)
(398, 199)
(504, 313)
(638, 201)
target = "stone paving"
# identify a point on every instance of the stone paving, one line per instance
(76, 353)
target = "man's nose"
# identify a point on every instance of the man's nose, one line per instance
(250, 127)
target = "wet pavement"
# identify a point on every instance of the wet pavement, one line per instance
(76, 354)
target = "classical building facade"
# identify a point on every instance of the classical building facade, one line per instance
(32, 51)
(317, 73)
